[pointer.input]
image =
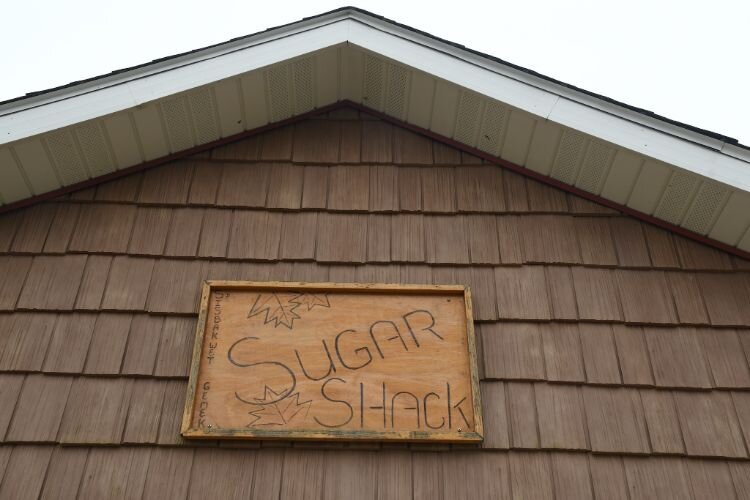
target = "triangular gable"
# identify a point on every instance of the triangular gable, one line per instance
(692, 181)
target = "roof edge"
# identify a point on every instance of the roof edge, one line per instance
(617, 108)
(167, 63)
(713, 140)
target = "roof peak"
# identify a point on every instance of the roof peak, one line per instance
(352, 9)
(686, 176)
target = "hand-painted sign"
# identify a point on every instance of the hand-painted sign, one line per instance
(334, 361)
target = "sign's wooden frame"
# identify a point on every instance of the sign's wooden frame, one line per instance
(332, 434)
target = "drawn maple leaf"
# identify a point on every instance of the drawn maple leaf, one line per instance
(312, 300)
(277, 307)
(278, 413)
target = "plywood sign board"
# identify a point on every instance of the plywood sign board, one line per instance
(334, 361)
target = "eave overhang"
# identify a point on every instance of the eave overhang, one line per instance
(696, 182)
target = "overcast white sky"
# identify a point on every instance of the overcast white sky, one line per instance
(688, 60)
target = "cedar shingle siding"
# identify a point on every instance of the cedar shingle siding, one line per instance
(613, 355)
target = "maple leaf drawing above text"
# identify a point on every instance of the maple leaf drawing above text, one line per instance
(277, 307)
(311, 300)
(278, 413)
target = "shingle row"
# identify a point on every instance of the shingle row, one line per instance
(592, 353)
(356, 238)
(42, 408)
(94, 410)
(613, 354)
(529, 292)
(142, 472)
(96, 344)
(622, 420)
(341, 140)
(367, 187)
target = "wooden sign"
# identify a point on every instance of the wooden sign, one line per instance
(334, 361)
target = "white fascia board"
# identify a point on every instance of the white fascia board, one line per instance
(22, 121)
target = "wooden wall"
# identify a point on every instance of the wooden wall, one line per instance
(613, 355)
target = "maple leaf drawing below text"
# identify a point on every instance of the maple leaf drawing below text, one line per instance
(277, 307)
(278, 413)
(311, 300)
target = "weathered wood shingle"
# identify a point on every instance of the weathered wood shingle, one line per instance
(39, 409)
(103, 228)
(244, 185)
(96, 411)
(69, 344)
(52, 282)
(615, 420)
(128, 283)
(24, 474)
(24, 340)
(33, 228)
